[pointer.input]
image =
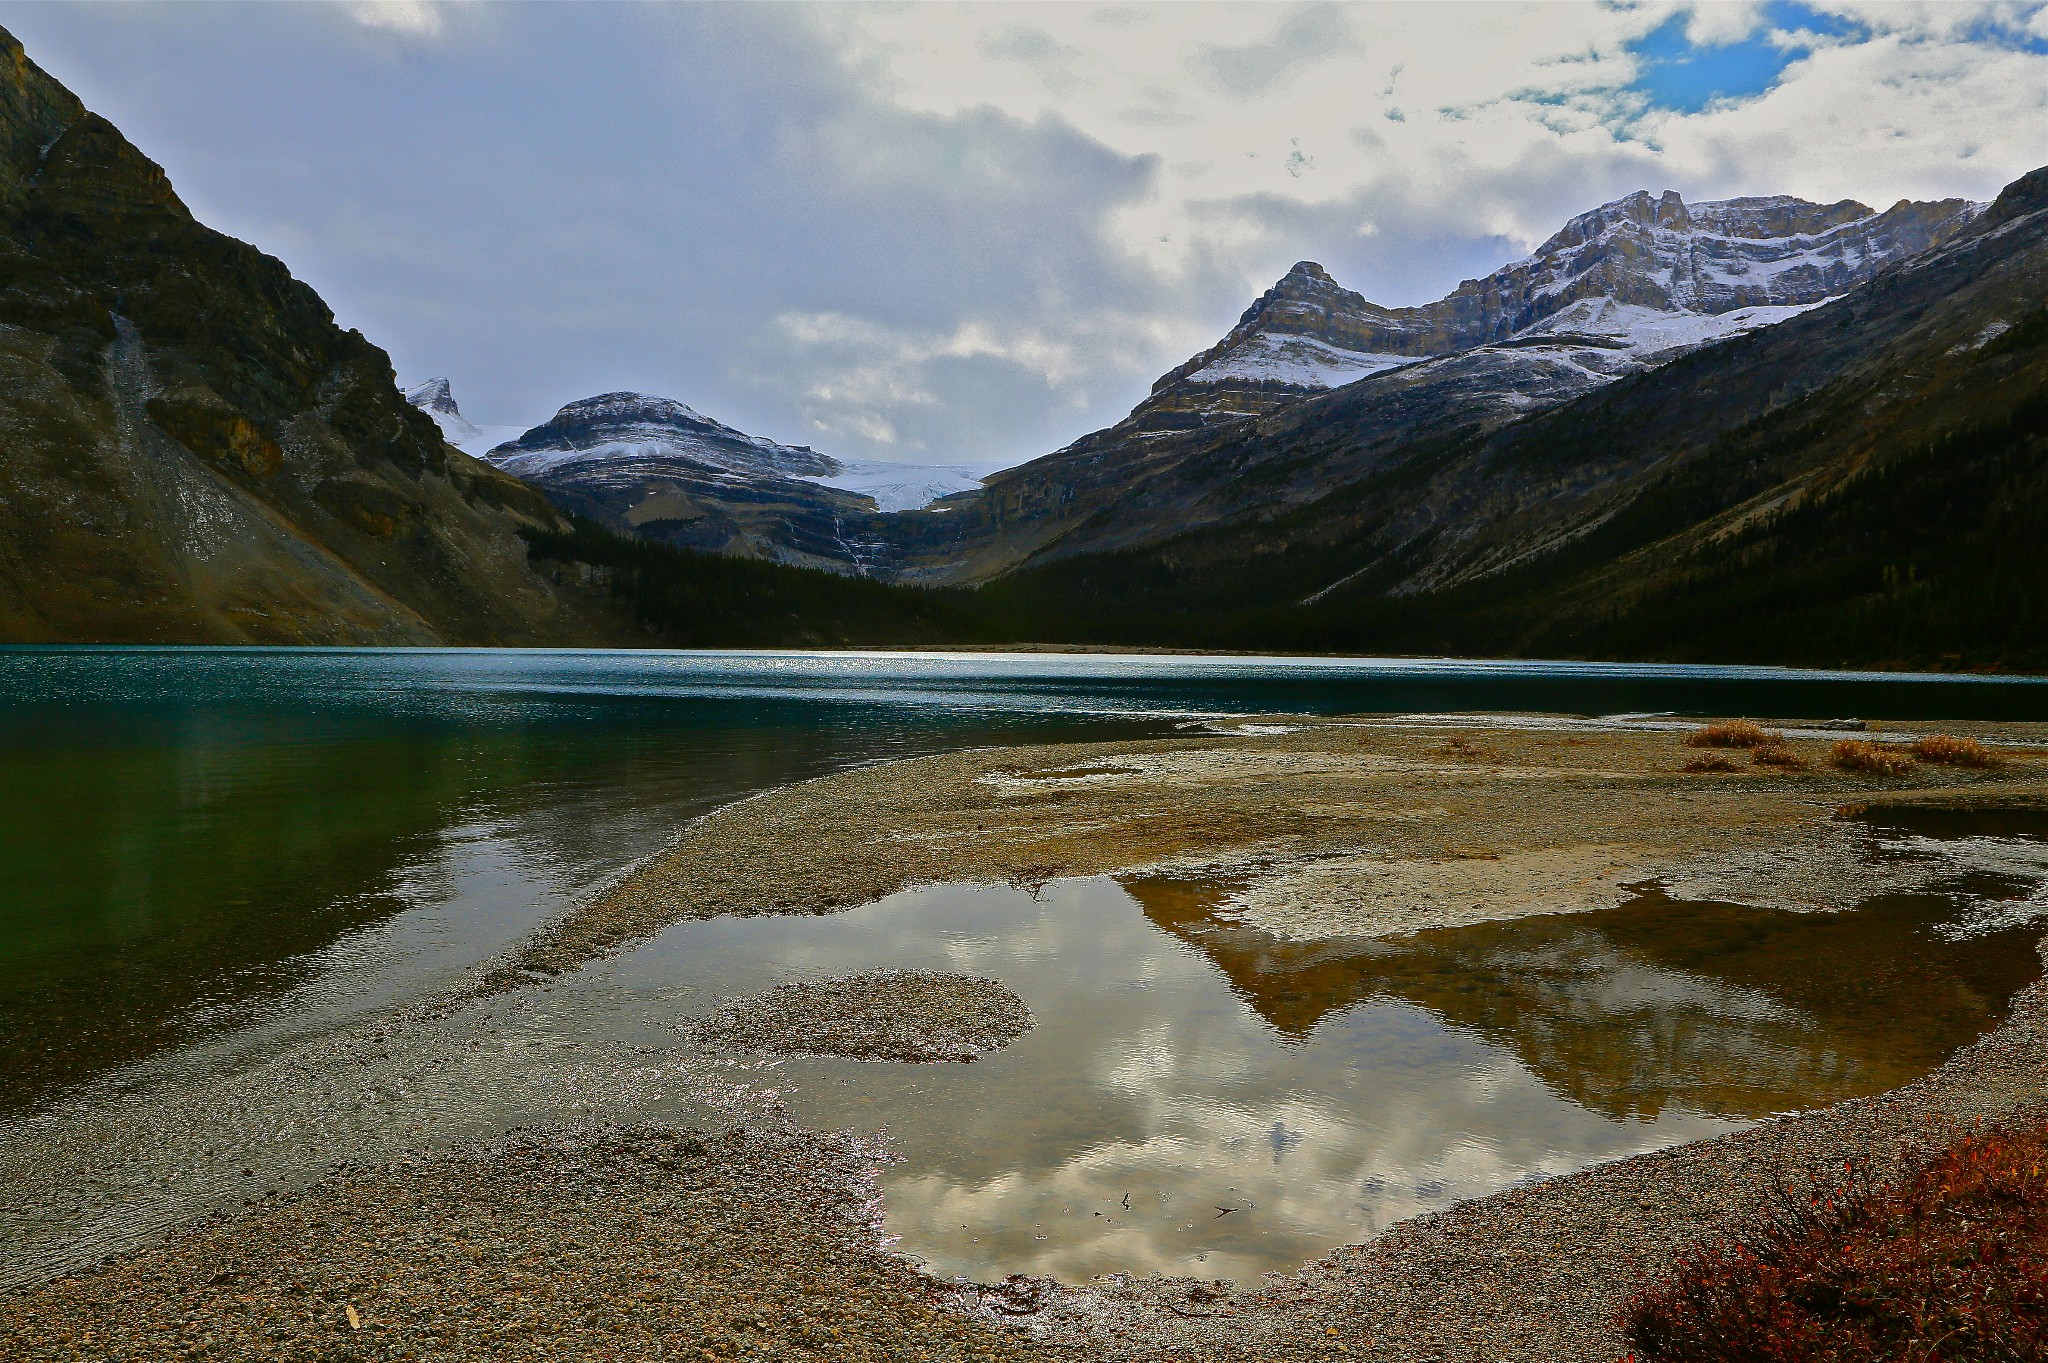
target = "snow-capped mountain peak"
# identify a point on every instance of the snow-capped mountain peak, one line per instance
(614, 426)
(616, 440)
(436, 398)
(433, 396)
(1646, 275)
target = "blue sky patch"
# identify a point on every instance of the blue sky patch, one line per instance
(1684, 78)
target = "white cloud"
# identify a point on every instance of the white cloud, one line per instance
(865, 376)
(415, 18)
(975, 231)
(1281, 131)
(1265, 107)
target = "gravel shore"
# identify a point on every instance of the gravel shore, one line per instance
(1351, 828)
(568, 1244)
(909, 1016)
(658, 1241)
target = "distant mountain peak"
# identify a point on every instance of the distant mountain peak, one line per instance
(637, 404)
(651, 466)
(434, 395)
(1643, 275)
(437, 399)
(637, 420)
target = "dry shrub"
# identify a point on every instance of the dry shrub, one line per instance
(1949, 1263)
(1878, 759)
(1781, 757)
(1457, 745)
(1734, 733)
(1951, 751)
(1707, 762)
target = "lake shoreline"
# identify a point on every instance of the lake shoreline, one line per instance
(544, 1241)
(1350, 826)
(1538, 1273)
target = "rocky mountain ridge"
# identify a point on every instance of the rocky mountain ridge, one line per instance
(1621, 289)
(1640, 255)
(1864, 482)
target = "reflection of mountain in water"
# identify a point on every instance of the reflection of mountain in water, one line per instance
(1720, 1008)
(165, 880)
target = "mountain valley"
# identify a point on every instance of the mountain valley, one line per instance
(1593, 451)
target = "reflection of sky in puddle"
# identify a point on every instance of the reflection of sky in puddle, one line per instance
(1182, 1065)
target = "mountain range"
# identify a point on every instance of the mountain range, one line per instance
(1759, 428)
(1866, 481)
(1626, 287)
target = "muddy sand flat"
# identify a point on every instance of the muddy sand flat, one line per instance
(762, 1243)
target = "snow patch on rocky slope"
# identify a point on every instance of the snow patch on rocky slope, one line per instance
(1302, 361)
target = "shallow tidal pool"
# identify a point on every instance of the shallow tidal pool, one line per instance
(1202, 1098)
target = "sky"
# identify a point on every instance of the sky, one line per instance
(972, 233)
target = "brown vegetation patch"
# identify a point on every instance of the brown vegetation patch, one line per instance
(1951, 751)
(907, 1015)
(1877, 759)
(1733, 733)
(1710, 762)
(1948, 1262)
(1783, 758)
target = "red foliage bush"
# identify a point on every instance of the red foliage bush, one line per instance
(1713, 762)
(1948, 1264)
(1780, 757)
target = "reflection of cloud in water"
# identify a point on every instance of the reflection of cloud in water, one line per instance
(1146, 1078)
(1322, 1091)
(1180, 1067)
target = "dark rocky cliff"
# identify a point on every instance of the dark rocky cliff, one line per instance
(191, 450)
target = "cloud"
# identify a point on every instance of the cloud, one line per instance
(866, 376)
(415, 18)
(979, 231)
(1440, 100)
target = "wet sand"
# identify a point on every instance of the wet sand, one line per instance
(762, 1242)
